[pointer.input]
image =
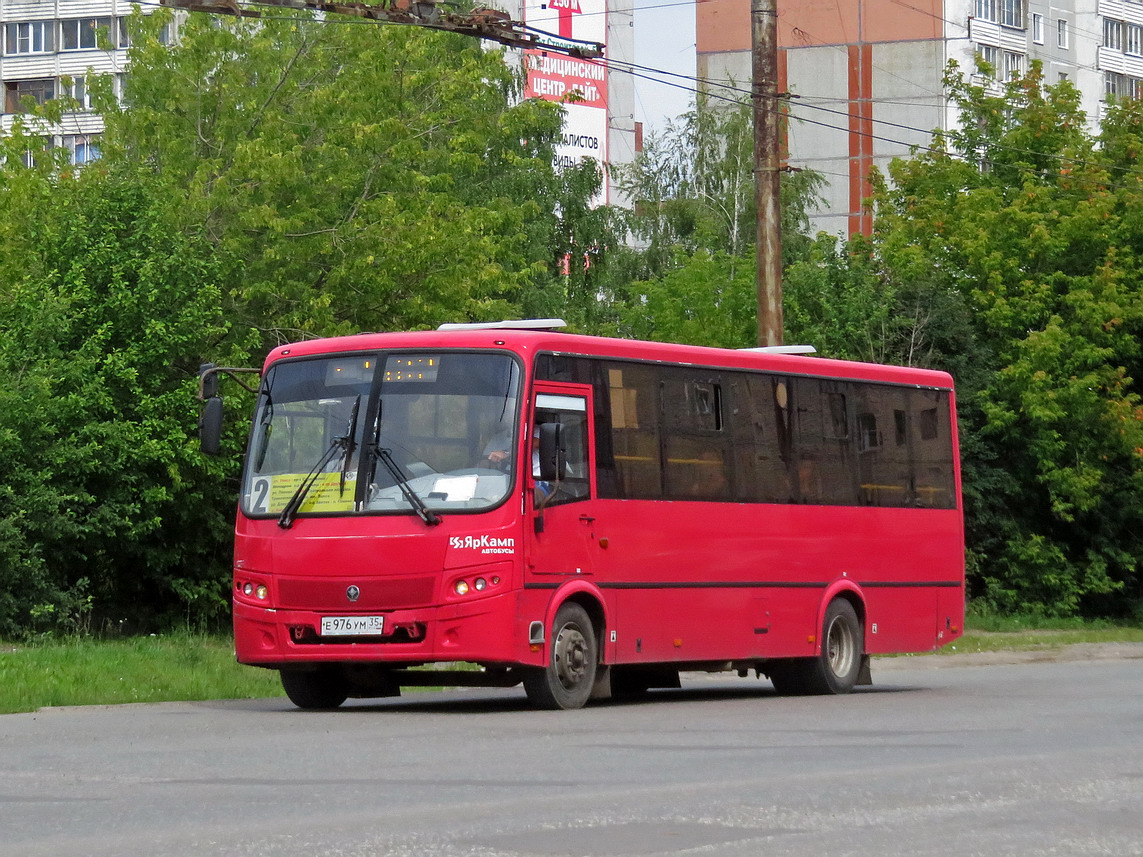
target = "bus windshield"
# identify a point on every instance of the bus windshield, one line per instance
(372, 433)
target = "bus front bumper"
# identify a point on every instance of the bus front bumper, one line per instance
(485, 630)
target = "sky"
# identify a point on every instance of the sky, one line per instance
(664, 39)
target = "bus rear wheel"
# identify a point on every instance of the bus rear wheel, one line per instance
(573, 654)
(837, 668)
(314, 690)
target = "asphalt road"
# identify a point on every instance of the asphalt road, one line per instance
(1019, 759)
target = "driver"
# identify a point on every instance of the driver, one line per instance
(498, 450)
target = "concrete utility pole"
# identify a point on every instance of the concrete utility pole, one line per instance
(767, 169)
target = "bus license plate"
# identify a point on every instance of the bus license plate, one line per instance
(352, 626)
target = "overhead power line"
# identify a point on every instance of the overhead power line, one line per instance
(489, 24)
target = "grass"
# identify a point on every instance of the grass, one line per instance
(141, 669)
(183, 667)
(991, 632)
(975, 640)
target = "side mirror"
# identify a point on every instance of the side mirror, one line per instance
(207, 381)
(210, 426)
(553, 459)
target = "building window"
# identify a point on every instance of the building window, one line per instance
(1113, 34)
(15, 91)
(82, 149)
(1037, 28)
(1114, 84)
(77, 89)
(1014, 13)
(1013, 65)
(990, 55)
(82, 34)
(1062, 33)
(986, 10)
(1134, 40)
(32, 37)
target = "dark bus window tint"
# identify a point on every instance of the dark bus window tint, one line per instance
(695, 447)
(769, 422)
(695, 471)
(934, 485)
(838, 424)
(928, 423)
(743, 434)
(775, 439)
(868, 437)
(900, 427)
(633, 395)
(826, 466)
(883, 469)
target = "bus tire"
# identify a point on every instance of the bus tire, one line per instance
(315, 690)
(573, 655)
(838, 666)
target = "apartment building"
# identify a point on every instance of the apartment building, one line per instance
(866, 74)
(49, 49)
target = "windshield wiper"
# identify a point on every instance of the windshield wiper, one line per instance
(343, 443)
(350, 433)
(265, 427)
(411, 496)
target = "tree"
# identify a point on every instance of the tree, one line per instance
(1024, 240)
(356, 177)
(104, 499)
(693, 189)
(268, 181)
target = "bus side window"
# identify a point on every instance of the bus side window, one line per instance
(696, 445)
(575, 485)
(634, 405)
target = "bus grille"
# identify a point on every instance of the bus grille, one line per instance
(387, 593)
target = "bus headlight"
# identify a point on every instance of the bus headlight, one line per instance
(461, 587)
(253, 590)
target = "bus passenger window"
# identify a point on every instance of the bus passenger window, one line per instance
(635, 431)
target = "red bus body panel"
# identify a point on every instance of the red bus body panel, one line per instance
(674, 581)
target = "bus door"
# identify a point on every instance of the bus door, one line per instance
(561, 535)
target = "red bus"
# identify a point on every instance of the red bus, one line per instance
(589, 516)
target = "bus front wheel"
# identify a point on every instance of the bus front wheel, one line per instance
(318, 689)
(837, 668)
(573, 655)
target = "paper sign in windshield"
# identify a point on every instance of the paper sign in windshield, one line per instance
(269, 494)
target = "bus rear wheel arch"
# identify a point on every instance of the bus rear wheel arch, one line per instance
(566, 681)
(839, 665)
